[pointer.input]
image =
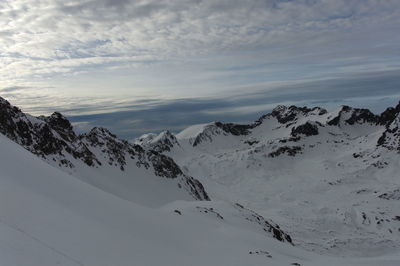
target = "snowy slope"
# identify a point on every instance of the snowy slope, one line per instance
(51, 218)
(299, 186)
(329, 178)
(100, 158)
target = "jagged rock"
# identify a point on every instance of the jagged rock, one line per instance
(163, 165)
(14, 124)
(209, 131)
(53, 139)
(392, 195)
(307, 129)
(390, 138)
(117, 152)
(207, 134)
(389, 115)
(267, 226)
(362, 116)
(162, 142)
(351, 116)
(234, 129)
(43, 136)
(286, 114)
(61, 125)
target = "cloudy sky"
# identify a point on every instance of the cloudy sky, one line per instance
(143, 66)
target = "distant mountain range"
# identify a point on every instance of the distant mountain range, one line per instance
(328, 182)
(330, 178)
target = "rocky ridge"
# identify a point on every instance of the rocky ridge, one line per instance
(54, 140)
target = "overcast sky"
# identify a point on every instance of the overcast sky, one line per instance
(144, 66)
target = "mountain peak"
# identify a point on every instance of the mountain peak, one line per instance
(389, 114)
(286, 114)
(160, 143)
(349, 115)
(60, 123)
(279, 108)
(4, 101)
(101, 131)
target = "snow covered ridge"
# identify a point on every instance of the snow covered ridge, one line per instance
(301, 121)
(329, 179)
(160, 143)
(299, 186)
(391, 137)
(54, 140)
(50, 218)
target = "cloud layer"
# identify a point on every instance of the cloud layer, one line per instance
(193, 60)
(46, 37)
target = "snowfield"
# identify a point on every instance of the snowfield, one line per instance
(51, 218)
(297, 187)
(323, 182)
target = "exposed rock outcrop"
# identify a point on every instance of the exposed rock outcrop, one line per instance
(54, 140)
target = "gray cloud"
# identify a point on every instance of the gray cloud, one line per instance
(49, 36)
(179, 62)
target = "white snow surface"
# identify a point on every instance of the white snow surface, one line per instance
(337, 197)
(327, 196)
(48, 217)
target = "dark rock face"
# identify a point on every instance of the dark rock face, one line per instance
(392, 195)
(355, 115)
(362, 116)
(196, 188)
(117, 152)
(14, 124)
(389, 115)
(53, 139)
(113, 149)
(43, 136)
(164, 165)
(267, 226)
(219, 128)
(390, 138)
(251, 142)
(286, 114)
(205, 136)
(61, 125)
(165, 142)
(234, 129)
(283, 114)
(307, 129)
(291, 151)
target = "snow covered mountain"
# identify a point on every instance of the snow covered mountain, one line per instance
(299, 186)
(98, 155)
(329, 178)
(48, 217)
